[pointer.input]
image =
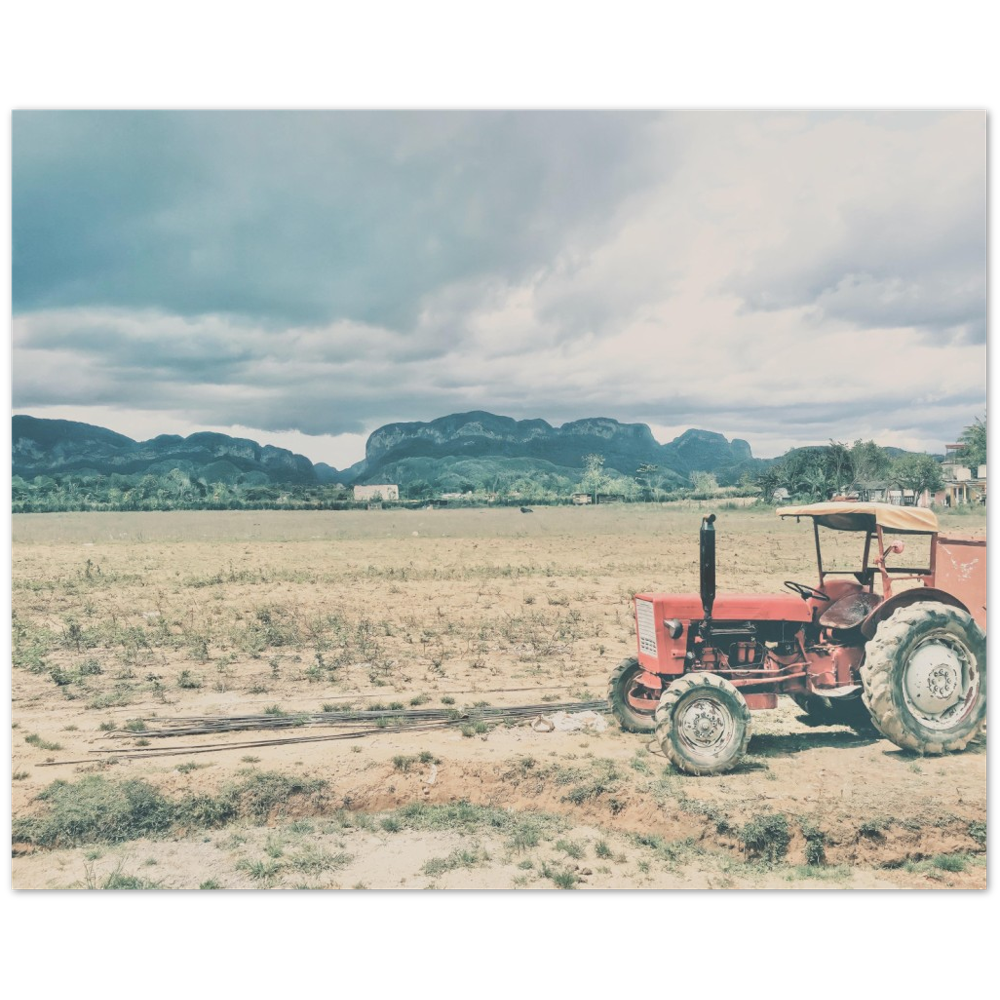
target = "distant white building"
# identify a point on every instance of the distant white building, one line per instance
(962, 484)
(383, 492)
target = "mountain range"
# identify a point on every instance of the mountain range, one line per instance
(449, 452)
(458, 444)
(51, 447)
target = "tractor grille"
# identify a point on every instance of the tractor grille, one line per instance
(646, 627)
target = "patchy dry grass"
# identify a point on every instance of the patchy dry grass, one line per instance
(100, 810)
(121, 619)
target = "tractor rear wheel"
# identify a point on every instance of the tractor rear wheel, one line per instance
(621, 687)
(924, 678)
(703, 724)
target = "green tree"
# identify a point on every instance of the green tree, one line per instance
(870, 462)
(838, 465)
(816, 483)
(627, 489)
(803, 474)
(917, 473)
(647, 477)
(768, 481)
(973, 439)
(419, 489)
(594, 479)
(704, 482)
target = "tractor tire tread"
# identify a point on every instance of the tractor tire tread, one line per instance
(627, 718)
(664, 722)
(880, 665)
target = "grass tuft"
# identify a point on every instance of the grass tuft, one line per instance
(266, 871)
(815, 843)
(33, 739)
(459, 858)
(571, 848)
(950, 862)
(766, 837)
(875, 827)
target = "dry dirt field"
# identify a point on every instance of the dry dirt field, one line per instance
(123, 621)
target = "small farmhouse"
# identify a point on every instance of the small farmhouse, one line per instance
(376, 493)
(962, 484)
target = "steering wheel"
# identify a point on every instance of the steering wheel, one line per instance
(806, 592)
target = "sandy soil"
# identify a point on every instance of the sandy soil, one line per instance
(148, 616)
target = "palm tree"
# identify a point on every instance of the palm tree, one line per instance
(973, 440)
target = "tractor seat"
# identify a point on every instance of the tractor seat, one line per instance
(851, 610)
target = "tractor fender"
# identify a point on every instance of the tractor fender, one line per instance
(906, 598)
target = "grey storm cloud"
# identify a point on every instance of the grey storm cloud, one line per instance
(304, 216)
(786, 275)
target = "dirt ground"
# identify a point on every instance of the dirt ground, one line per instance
(121, 620)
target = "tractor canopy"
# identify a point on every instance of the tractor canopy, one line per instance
(850, 516)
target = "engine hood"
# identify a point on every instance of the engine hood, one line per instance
(734, 607)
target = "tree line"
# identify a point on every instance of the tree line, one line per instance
(173, 490)
(820, 473)
(805, 474)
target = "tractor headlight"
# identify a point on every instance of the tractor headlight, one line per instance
(673, 627)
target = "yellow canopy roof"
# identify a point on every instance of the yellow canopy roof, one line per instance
(847, 516)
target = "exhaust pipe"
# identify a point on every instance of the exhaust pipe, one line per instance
(707, 540)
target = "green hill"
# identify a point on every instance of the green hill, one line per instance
(64, 447)
(429, 450)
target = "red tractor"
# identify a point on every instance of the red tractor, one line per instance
(903, 647)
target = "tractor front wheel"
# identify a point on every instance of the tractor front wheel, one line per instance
(924, 678)
(703, 724)
(623, 692)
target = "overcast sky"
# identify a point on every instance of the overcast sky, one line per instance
(302, 278)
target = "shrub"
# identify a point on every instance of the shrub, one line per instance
(97, 810)
(766, 836)
(815, 843)
(94, 809)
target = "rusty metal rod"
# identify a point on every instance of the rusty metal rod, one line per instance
(419, 724)
(204, 725)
